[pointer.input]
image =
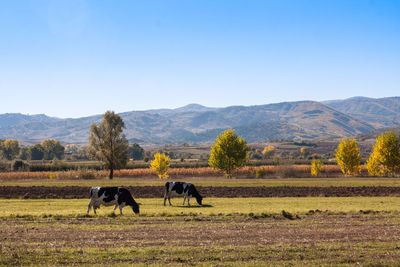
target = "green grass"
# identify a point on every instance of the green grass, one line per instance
(213, 206)
(214, 181)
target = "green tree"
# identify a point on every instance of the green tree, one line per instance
(10, 148)
(23, 153)
(229, 152)
(348, 156)
(52, 149)
(160, 164)
(36, 152)
(385, 156)
(108, 143)
(136, 151)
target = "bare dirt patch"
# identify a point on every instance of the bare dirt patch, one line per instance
(76, 192)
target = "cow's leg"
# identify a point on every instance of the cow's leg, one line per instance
(169, 200)
(165, 199)
(184, 198)
(116, 205)
(94, 209)
(188, 201)
(120, 209)
(89, 206)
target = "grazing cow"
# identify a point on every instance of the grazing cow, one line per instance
(109, 196)
(186, 190)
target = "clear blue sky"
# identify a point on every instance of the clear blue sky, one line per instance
(72, 58)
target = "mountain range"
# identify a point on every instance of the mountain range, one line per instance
(197, 124)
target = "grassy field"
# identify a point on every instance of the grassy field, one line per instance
(292, 231)
(213, 181)
(227, 232)
(153, 207)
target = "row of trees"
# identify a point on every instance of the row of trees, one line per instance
(384, 159)
(48, 149)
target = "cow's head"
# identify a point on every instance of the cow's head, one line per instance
(199, 200)
(135, 208)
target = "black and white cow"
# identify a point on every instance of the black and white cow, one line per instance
(109, 196)
(186, 190)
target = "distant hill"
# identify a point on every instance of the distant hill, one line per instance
(198, 124)
(380, 112)
(374, 134)
(10, 119)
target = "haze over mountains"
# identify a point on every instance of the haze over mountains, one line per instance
(195, 124)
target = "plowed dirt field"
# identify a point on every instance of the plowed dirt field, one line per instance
(69, 192)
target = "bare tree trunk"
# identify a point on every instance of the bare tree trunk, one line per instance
(111, 173)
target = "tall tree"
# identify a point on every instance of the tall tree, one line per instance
(10, 148)
(108, 143)
(385, 156)
(348, 156)
(52, 149)
(229, 152)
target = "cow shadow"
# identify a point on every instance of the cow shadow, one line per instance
(196, 206)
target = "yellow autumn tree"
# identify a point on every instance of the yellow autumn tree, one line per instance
(316, 167)
(160, 164)
(348, 156)
(385, 156)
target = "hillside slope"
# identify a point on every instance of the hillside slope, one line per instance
(198, 124)
(380, 112)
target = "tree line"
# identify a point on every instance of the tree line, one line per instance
(50, 149)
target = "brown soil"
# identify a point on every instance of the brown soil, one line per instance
(69, 192)
(331, 229)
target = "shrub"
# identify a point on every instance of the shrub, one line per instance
(19, 165)
(316, 167)
(261, 172)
